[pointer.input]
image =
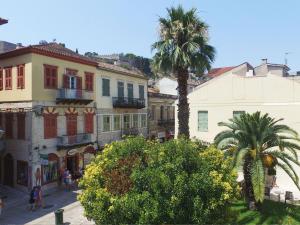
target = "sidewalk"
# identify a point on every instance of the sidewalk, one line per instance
(73, 212)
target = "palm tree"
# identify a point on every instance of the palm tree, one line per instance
(257, 142)
(182, 45)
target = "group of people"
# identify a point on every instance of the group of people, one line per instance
(36, 198)
(69, 179)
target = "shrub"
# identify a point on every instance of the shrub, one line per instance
(137, 182)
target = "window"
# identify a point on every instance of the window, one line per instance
(50, 126)
(71, 120)
(106, 123)
(130, 90)
(238, 113)
(117, 122)
(105, 87)
(49, 168)
(22, 173)
(9, 125)
(89, 81)
(21, 125)
(50, 76)
(161, 112)
(153, 114)
(120, 89)
(8, 79)
(126, 121)
(143, 120)
(202, 121)
(21, 76)
(89, 123)
(135, 120)
(1, 79)
(141, 92)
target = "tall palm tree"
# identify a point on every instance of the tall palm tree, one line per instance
(182, 45)
(257, 142)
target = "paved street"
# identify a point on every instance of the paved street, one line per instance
(73, 212)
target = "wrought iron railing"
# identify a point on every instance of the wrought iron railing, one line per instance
(70, 140)
(124, 102)
(74, 94)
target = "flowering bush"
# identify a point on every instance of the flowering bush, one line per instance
(137, 182)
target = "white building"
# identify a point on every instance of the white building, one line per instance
(267, 88)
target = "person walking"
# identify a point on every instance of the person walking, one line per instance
(31, 199)
(36, 197)
(1, 205)
(40, 197)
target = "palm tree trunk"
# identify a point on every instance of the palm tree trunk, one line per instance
(248, 188)
(183, 105)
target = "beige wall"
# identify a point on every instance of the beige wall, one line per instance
(42, 94)
(17, 94)
(105, 102)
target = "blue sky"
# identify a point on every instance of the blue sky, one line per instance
(240, 30)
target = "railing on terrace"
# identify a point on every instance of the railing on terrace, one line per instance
(124, 102)
(71, 140)
(66, 94)
(166, 122)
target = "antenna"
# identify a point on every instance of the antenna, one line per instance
(285, 57)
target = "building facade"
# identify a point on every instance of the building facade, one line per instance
(267, 88)
(57, 110)
(161, 115)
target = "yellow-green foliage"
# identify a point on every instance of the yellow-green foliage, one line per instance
(137, 182)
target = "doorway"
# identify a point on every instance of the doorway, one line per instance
(72, 164)
(8, 170)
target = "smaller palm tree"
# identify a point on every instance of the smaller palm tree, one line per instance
(257, 142)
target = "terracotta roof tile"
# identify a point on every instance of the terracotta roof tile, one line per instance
(61, 50)
(218, 71)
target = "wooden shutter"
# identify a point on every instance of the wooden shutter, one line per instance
(9, 125)
(1, 79)
(50, 126)
(66, 83)
(79, 83)
(21, 125)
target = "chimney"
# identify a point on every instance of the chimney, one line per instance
(264, 61)
(19, 45)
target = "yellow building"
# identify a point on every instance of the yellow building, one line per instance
(57, 107)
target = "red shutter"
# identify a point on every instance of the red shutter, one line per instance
(79, 83)
(20, 76)
(54, 77)
(9, 125)
(50, 126)
(89, 125)
(21, 125)
(66, 83)
(1, 79)
(8, 83)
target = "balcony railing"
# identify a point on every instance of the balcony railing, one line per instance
(73, 140)
(130, 131)
(123, 102)
(166, 122)
(74, 95)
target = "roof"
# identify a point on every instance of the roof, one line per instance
(161, 95)
(153, 90)
(218, 71)
(59, 51)
(114, 68)
(3, 21)
(52, 50)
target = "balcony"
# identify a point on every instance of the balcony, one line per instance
(66, 141)
(122, 102)
(75, 96)
(166, 122)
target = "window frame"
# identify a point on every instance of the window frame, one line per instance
(21, 76)
(114, 122)
(205, 129)
(120, 82)
(1, 79)
(89, 123)
(123, 121)
(51, 76)
(21, 131)
(130, 90)
(140, 85)
(141, 120)
(9, 128)
(50, 132)
(103, 118)
(8, 79)
(89, 81)
(108, 86)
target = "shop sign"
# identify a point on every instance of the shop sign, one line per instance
(44, 159)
